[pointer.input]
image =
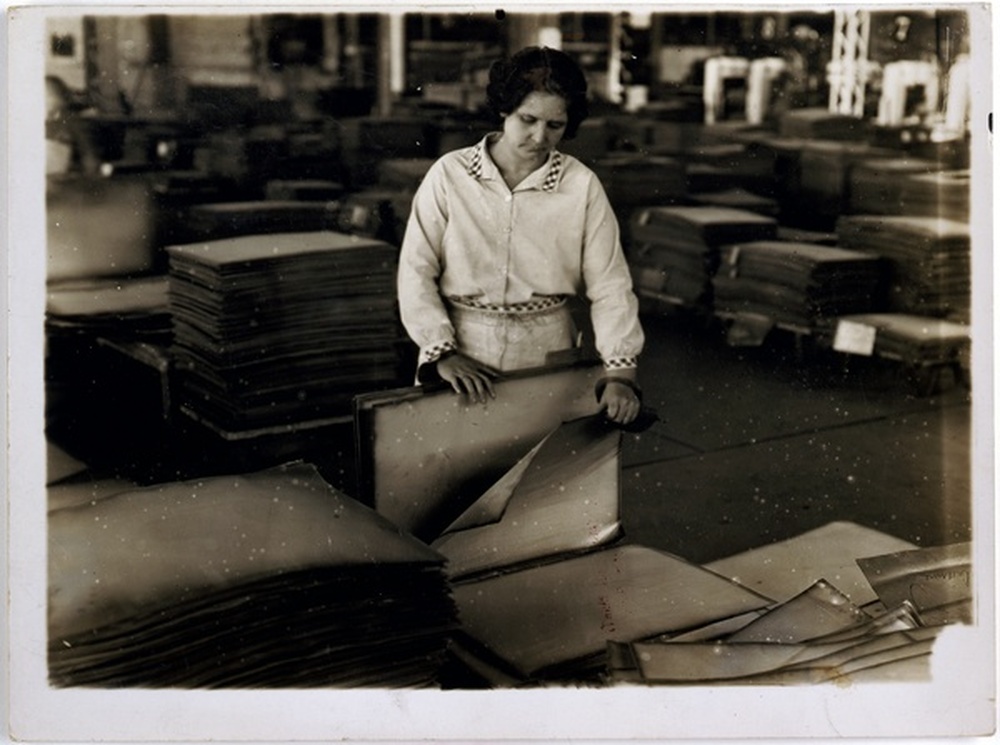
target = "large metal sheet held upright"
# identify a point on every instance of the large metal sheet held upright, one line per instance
(425, 454)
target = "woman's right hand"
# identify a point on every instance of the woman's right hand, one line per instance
(467, 376)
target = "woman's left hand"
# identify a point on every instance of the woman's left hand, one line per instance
(620, 402)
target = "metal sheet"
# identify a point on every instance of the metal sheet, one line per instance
(425, 454)
(929, 578)
(60, 465)
(771, 663)
(563, 497)
(786, 568)
(820, 610)
(545, 617)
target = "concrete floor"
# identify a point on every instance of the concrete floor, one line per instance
(756, 445)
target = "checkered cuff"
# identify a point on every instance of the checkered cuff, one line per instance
(435, 352)
(621, 363)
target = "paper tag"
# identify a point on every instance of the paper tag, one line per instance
(359, 216)
(854, 338)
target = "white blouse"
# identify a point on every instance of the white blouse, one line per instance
(470, 236)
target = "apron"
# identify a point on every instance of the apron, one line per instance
(513, 337)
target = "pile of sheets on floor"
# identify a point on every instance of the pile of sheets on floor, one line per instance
(550, 592)
(883, 629)
(675, 250)
(270, 579)
(913, 339)
(282, 329)
(929, 261)
(532, 606)
(796, 283)
(573, 607)
(277, 579)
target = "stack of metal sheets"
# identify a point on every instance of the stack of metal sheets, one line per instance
(913, 339)
(594, 138)
(270, 579)
(366, 141)
(538, 577)
(942, 194)
(459, 128)
(632, 180)
(821, 124)
(304, 190)
(824, 178)
(714, 167)
(784, 154)
(282, 329)
(120, 308)
(928, 257)
(214, 221)
(675, 124)
(675, 251)
(404, 174)
(738, 198)
(395, 136)
(377, 212)
(99, 227)
(876, 185)
(797, 283)
(803, 235)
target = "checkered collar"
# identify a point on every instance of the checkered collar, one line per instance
(481, 165)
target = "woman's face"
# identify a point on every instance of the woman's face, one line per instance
(536, 126)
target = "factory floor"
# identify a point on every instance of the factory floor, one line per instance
(760, 444)
(753, 445)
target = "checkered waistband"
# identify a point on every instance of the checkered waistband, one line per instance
(536, 304)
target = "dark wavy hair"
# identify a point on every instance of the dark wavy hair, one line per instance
(542, 70)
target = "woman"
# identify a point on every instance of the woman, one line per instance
(503, 232)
